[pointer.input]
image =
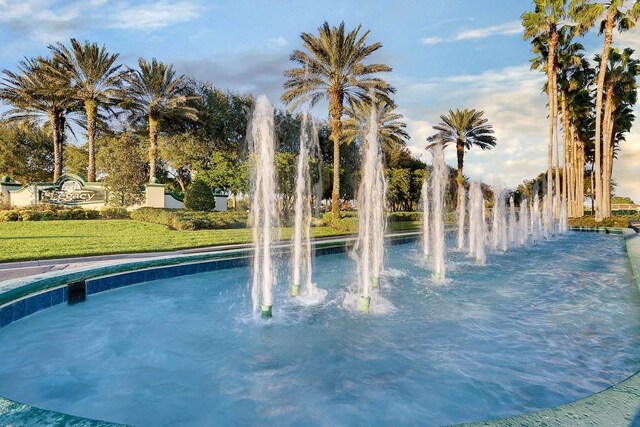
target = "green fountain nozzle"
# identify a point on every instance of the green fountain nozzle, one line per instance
(295, 290)
(365, 304)
(376, 282)
(478, 261)
(437, 275)
(266, 311)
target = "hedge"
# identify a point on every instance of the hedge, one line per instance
(180, 219)
(49, 213)
(616, 221)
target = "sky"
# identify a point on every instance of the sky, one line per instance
(444, 54)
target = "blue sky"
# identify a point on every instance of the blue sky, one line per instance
(444, 54)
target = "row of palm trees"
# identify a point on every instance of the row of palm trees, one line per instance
(332, 67)
(552, 27)
(82, 83)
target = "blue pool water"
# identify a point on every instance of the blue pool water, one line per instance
(535, 328)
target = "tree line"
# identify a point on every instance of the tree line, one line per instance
(593, 103)
(150, 124)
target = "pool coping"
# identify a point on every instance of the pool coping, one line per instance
(617, 405)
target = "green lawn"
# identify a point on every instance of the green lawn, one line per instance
(58, 239)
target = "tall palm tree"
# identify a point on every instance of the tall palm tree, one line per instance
(464, 128)
(617, 14)
(543, 24)
(332, 68)
(152, 92)
(566, 55)
(620, 95)
(94, 79)
(35, 92)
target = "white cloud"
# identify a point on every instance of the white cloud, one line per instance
(506, 29)
(432, 40)
(154, 15)
(276, 42)
(509, 28)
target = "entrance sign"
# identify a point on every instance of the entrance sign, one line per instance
(71, 190)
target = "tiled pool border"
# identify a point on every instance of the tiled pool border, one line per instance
(617, 405)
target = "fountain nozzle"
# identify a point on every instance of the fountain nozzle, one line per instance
(365, 304)
(295, 290)
(266, 312)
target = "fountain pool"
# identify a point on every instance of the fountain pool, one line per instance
(535, 328)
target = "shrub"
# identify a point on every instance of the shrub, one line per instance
(114, 213)
(589, 221)
(199, 197)
(181, 219)
(38, 213)
(405, 216)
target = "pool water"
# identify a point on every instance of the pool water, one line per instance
(534, 328)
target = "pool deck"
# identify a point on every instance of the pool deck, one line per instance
(618, 405)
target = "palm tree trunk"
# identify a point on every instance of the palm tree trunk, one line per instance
(153, 147)
(460, 176)
(608, 145)
(57, 153)
(580, 170)
(556, 141)
(608, 36)
(565, 145)
(553, 41)
(91, 110)
(336, 109)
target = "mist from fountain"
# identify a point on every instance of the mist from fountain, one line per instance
(371, 216)
(263, 213)
(438, 187)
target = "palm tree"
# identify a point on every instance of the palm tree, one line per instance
(620, 95)
(154, 91)
(333, 68)
(542, 24)
(94, 79)
(35, 91)
(391, 129)
(464, 128)
(616, 14)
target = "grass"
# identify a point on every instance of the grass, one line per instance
(28, 240)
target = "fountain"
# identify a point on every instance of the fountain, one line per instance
(438, 186)
(461, 218)
(263, 214)
(371, 216)
(499, 226)
(563, 225)
(477, 226)
(426, 240)
(301, 259)
(523, 223)
(513, 224)
(536, 226)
